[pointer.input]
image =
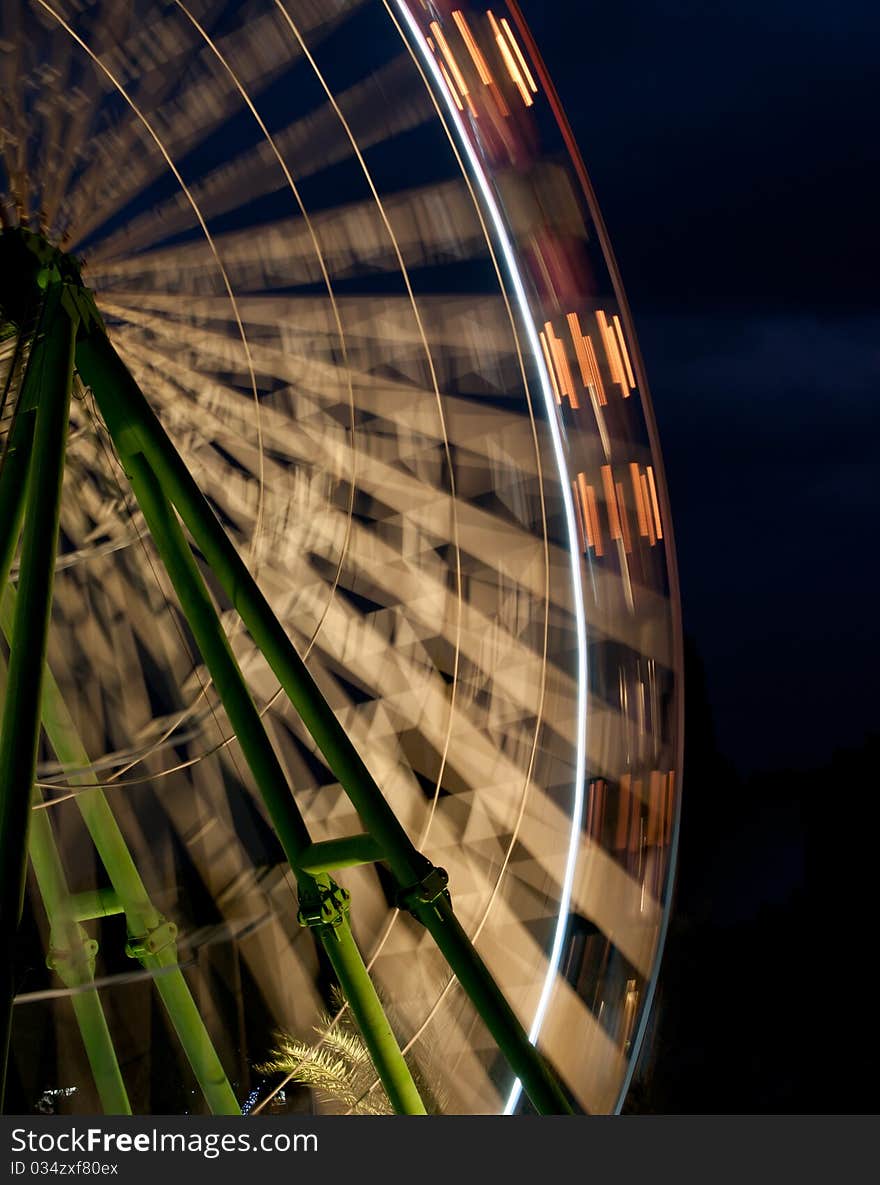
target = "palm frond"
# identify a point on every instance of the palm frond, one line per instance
(314, 1066)
(338, 1067)
(348, 1045)
(338, 1070)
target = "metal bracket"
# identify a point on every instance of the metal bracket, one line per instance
(80, 301)
(141, 945)
(71, 960)
(425, 891)
(322, 904)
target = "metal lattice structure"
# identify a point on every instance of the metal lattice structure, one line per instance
(364, 562)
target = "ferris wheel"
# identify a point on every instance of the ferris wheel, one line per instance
(340, 629)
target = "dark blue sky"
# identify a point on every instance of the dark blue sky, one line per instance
(734, 149)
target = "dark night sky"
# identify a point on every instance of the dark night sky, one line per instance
(735, 154)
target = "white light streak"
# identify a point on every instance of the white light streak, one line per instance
(547, 391)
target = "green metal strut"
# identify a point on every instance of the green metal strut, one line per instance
(129, 893)
(47, 381)
(135, 429)
(13, 482)
(15, 460)
(36, 276)
(331, 922)
(72, 957)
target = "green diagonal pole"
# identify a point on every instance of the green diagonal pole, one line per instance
(50, 368)
(72, 956)
(13, 481)
(37, 264)
(142, 917)
(14, 465)
(332, 854)
(269, 776)
(136, 429)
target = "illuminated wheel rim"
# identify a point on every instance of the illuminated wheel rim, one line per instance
(372, 303)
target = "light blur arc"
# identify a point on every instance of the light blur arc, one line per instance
(349, 252)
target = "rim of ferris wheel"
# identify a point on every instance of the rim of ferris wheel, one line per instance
(450, 494)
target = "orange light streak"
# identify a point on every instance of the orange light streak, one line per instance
(618, 329)
(510, 62)
(472, 48)
(551, 369)
(594, 367)
(453, 67)
(611, 502)
(586, 357)
(582, 535)
(577, 340)
(652, 534)
(593, 518)
(583, 501)
(624, 519)
(583, 360)
(641, 508)
(451, 86)
(615, 365)
(654, 503)
(450, 60)
(519, 56)
(564, 371)
(557, 346)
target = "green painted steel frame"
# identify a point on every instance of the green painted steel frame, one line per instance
(136, 430)
(45, 395)
(128, 894)
(31, 478)
(333, 930)
(162, 484)
(72, 956)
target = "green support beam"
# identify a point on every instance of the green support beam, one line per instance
(128, 892)
(47, 382)
(13, 486)
(31, 476)
(332, 854)
(135, 429)
(72, 957)
(91, 904)
(159, 473)
(332, 925)
(367, 1009)
(15, 460)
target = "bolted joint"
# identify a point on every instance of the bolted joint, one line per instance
(141, 946)
(426, 891)
(322, 904)
(29, 266)
(73, 961)
(79, 302)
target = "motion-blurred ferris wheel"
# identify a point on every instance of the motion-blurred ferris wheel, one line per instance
(394, 425)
